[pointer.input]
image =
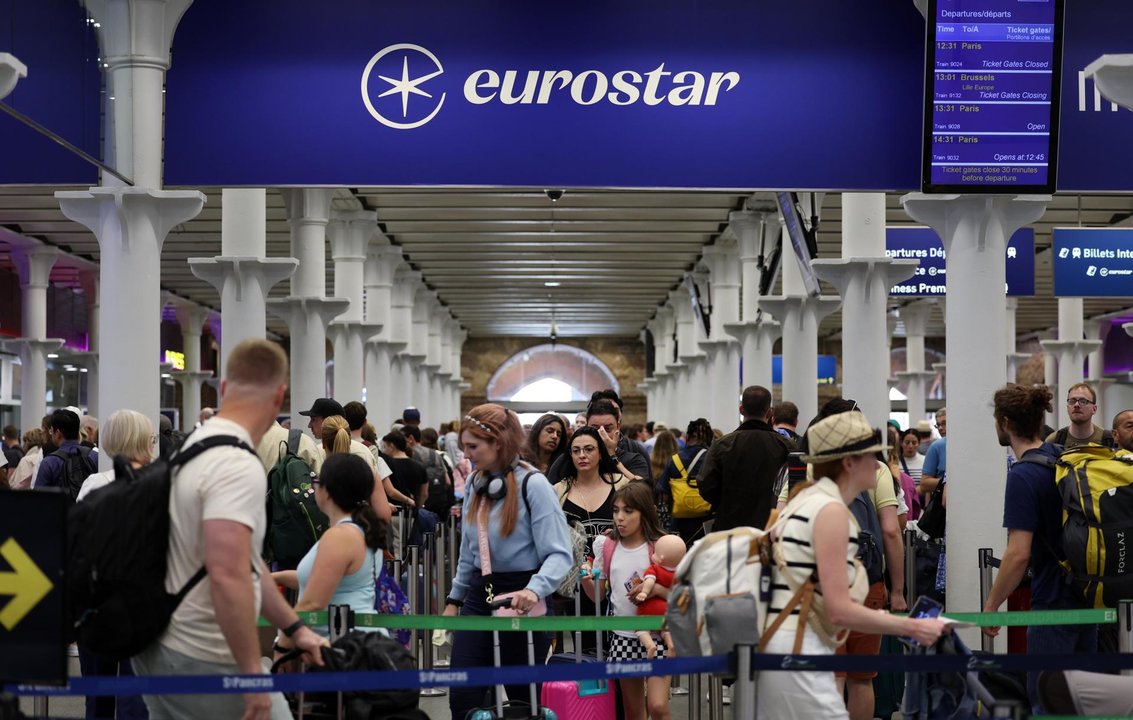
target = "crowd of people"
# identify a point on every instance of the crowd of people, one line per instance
(541, 509)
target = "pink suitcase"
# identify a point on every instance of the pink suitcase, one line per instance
(581, 699)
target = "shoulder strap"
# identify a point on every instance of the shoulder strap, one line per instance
(1107, 440)
(679, 465)
(696, 460)
(1045, 461)
(293, 436)
(186, 454)
(608, 548)
(1062, 437)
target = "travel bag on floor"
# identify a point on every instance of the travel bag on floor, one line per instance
(581, 699)
(512, 709)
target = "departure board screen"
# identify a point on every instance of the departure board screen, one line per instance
(993, 71)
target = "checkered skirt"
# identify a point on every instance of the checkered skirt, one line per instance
(630, 648)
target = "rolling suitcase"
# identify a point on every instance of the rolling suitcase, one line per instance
(512, 709)
(581, 699)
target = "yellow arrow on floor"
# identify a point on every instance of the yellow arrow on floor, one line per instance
(26, 583)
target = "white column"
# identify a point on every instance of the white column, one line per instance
(445, 384)
(1014, 359)
(1050, 377)
(1070, 350)
(401, 372)
(33, 266)
(688, 402)
(423, 300)
(799, 316)
(191, 317)
(308, 311)
(1096, 331)
(757, 332)
(460, 387)
(723, 349)
(663, 370)
(88, 279)
(350, 236)
(975, 231)
(382, 260)
(915, 316)
(864, 276)
(242, 273)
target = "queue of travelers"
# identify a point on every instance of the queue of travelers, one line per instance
(541, 509)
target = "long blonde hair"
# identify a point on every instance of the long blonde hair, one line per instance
(336, 435)
(664, 448)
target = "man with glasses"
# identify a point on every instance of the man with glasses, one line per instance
(1081, 404)
(936, 459)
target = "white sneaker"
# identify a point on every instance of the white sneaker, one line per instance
(727, 700)
(73, 650)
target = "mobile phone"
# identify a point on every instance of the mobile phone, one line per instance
(924, 607)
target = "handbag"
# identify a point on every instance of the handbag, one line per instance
(934, 515)
(537, 610)
(390, 599)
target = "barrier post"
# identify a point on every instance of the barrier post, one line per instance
(910, 567)
(413, 576)
(677, 688)
(440, 565)
(39, 707)
(744, 689)
(715, 698)
(1125, 630)
(453, 546)
(985, 564)
(427, 649)
(694, 697)
(340, 620)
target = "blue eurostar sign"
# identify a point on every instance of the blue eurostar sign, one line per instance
(1093, 262)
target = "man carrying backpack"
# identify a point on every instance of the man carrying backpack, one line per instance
(1032, 514)
(69, 465)
(1081, 405)
(217, 521)
(1123, 430)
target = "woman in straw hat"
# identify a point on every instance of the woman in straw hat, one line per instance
(815, 544)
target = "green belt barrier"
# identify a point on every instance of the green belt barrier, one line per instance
(567, 623)
(557, 623)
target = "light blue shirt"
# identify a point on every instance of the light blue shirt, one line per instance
(935, 460)
(540, 541)
(356, 589)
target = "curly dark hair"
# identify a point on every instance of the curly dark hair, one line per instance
(607, 466)
(1023, 407)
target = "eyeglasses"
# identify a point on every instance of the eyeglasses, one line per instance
(1078, 401)
(584, 450)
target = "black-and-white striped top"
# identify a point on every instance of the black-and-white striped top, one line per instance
(795, 538)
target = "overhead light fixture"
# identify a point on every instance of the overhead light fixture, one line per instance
(552, 283)
(52, 356)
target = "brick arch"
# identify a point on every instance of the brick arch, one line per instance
(576, 367)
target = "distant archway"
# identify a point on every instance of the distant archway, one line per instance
(550, 374)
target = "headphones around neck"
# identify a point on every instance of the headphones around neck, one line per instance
(492, 484)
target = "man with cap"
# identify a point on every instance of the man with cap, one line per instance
(320, 410)
(411, 416)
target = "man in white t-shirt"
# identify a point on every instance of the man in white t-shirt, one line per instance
(217, 520)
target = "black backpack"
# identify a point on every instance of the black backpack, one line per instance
(1062, 439)
(77, 467)
(441, 496)
(117, 546)
(870, 548)
(295, 522)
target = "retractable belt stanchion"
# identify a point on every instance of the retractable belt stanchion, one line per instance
(453, 545)
(413, 577)
(744, 690)
(39, 707)
(694, 697)
(910, 567)
(340, 620)
(426, 660)
(986, 563)
(444, 582)
(715, 698)
(1125, 630)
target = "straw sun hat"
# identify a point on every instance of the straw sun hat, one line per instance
(840, 436)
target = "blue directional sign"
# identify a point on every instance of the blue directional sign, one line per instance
(923, 244)
(827, 369)
(1093, 262)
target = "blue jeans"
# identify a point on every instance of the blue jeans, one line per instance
(1057, 640)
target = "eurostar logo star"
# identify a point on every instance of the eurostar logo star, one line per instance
(404, 86)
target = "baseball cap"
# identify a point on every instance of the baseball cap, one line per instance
(323, 407)
(411, 414)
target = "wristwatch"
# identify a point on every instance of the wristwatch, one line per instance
(293, 628)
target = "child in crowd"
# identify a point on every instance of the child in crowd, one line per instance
(623, 558)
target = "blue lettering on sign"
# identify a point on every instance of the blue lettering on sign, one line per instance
(929, 280)
(1093, 262)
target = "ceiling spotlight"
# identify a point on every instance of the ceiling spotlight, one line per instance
(52, 356)
(555, 195)
(552, 283)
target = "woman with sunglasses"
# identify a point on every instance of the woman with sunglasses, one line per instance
(341, 568)
(515, 543)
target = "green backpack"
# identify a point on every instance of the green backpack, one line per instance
(295, 522)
